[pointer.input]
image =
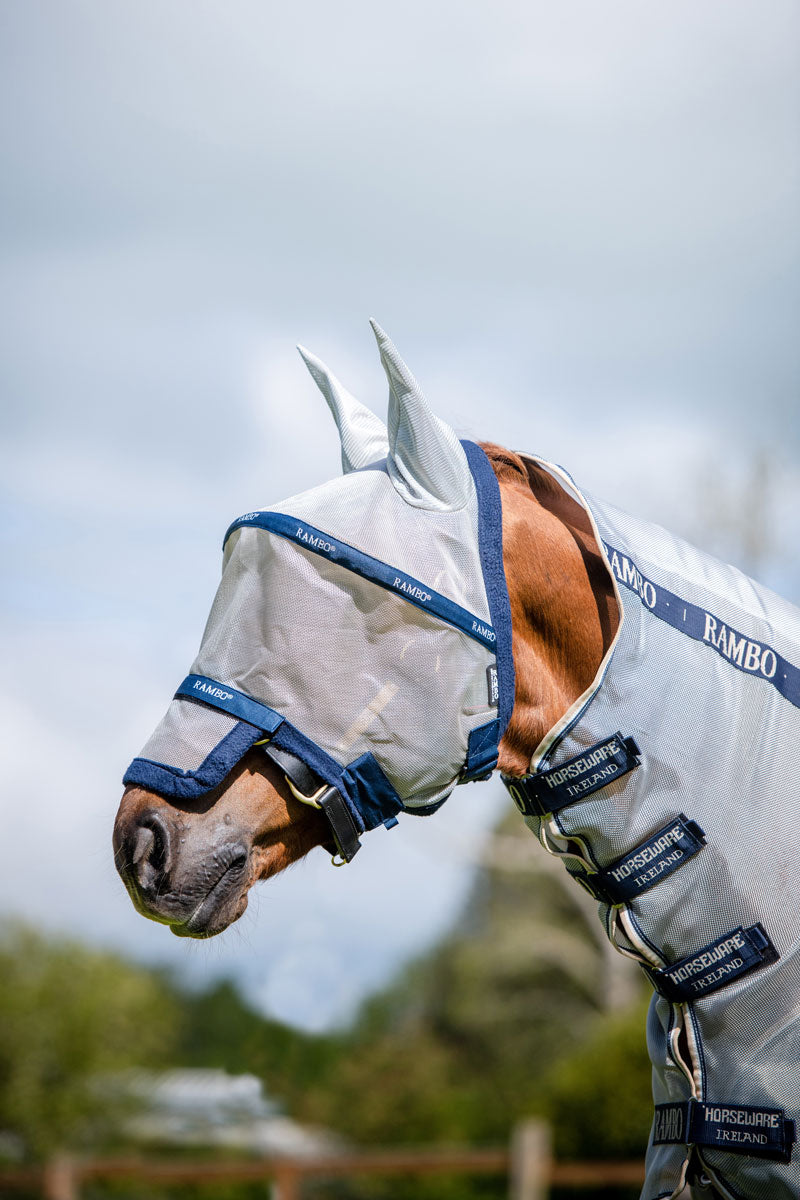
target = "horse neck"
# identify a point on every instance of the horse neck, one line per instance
(563, 612)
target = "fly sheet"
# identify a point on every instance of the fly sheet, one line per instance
(671, 791)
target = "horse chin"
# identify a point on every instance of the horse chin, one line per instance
(189, 865)
(213, 914)
(178, 871)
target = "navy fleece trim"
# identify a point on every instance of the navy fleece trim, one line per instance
(188, 785)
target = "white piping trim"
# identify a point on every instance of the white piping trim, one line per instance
(648, 955)
(694, 1050)
(546, 832)
(583, 700)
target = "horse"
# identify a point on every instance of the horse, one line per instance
(446, 609)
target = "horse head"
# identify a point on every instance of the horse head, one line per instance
(357, 661)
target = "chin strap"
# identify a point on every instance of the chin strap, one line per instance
(307, 787)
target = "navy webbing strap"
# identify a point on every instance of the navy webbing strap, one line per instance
(742, 652)
(736, 1128)
(358, 791)
(716, 965)
(664, 852)
(229, 700)
(405, 586)
(550, 791)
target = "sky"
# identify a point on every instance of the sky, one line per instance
(578, 222)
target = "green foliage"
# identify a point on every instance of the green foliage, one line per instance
(219, 1029)
(69, 1015)
(518, 1012)
(598, 1099)
(471, 1037)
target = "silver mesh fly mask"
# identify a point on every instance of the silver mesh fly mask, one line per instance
(362, 628)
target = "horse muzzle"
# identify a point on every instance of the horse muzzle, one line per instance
(176, 878)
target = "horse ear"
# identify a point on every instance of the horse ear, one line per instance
(426, 461)
(363, 435)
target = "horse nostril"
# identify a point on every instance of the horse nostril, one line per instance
(143, 846)
(151, 851)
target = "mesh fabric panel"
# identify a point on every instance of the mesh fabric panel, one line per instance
(353, 666)
(719, 744)
(342, 659)
(187, 734)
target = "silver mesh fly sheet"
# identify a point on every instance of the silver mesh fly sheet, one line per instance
(691, 842)
(356, 619)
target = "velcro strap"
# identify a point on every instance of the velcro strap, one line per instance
(481, 752)
(573, 780)
(716, 965)
(648, 863)
(342, 825)
(736, 1128)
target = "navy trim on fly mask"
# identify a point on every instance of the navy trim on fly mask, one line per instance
(255, 719)
(188, 785)
(230, 700)
(308, 537)
(482, 746)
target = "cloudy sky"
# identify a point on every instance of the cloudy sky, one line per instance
(578, 221)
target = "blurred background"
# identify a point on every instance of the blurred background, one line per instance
(579, 223)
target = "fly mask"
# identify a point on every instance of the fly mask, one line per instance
(361, 631)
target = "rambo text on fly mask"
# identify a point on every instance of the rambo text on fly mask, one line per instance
(349, 614)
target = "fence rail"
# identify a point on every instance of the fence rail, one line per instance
(527, 1162)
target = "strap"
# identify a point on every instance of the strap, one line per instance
(735, 954)
(405, 586)
(550, 791)
(736, 1128)
(342, 825)
(481, 752)
(366, 786)
(361, 785)
(664, 852)
(229, 700)
(304, 779)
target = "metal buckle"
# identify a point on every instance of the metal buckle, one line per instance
(313, 800)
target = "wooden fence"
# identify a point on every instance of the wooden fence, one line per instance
(527, 1163)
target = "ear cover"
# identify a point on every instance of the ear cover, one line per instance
(426, 461)
(363, 435)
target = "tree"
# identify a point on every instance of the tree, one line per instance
(69, 1016)
(458, 1047)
